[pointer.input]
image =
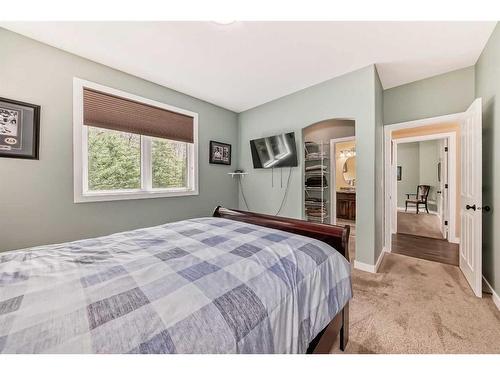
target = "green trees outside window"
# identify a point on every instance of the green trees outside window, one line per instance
(169, 161)
(114, 161)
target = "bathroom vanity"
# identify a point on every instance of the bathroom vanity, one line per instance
(346, 205)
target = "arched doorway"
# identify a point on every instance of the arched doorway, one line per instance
(329, 171)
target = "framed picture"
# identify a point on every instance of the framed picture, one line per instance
(220, 153)
(19, 129)
(399, 172)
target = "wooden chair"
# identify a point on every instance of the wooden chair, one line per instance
(420, 197)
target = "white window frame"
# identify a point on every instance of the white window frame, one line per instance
(80, 153)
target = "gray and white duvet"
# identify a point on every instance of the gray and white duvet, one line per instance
(205, 285)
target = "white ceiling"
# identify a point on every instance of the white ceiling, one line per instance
(245, 64)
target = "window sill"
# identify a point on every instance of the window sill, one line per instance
(131, 194)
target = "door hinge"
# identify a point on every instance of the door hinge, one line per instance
(446, 186)
(446, 222)
(446, 149)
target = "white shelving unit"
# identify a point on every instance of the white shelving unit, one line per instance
(237, 174)
(316, 203)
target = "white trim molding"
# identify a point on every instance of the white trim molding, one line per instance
(494, 295)
(370, 267)
(80, 153)
(364, 266)
(454, 117)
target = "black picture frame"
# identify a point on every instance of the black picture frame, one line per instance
(19, 125)
(219, 153)
(399, 173)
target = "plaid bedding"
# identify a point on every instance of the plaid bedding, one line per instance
(205, 285)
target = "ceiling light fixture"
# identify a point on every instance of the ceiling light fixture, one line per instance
(224, 22)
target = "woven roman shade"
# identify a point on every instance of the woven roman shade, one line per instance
(112, 112)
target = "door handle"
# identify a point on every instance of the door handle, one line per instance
(473, 207)
(439, 191)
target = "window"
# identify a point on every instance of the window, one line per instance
(128, 147)
(114, 160)
(169, 161)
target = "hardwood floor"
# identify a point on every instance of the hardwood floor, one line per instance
(425, 248)
(425, 225)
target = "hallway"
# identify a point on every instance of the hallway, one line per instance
(423, 224)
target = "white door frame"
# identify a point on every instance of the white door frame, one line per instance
(333, 175)
(452, 179)
(389, 172)
(443, 198)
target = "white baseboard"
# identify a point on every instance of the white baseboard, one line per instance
(380, 258)
(364, 266)
(494, 295)
(454, 240)
(370, 267)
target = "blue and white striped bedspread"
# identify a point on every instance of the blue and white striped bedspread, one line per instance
(205, 285)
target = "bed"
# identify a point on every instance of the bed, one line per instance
(236, 282)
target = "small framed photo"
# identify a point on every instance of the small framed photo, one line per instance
(220, 153)
(399, 173)
(19, 129)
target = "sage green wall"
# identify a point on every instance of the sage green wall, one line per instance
(409, 161)
(488, 88)
(447, 93)
(418, 161)
(351, 96)
(379, 167)
(36, 197)
(428, 162)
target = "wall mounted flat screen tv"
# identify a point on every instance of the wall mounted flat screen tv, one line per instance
(274, 152)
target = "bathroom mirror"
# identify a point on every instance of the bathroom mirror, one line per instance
(349, 171)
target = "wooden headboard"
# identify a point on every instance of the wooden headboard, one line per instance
(333, 235)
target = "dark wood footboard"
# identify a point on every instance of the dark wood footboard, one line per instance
(335, 236)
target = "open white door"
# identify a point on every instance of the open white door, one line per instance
(471, 197)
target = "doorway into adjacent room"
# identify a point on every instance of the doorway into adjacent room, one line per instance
(424, 208)
(454, 234)
(343, 172)
(329, 167)
(422, 186)
(330, 174)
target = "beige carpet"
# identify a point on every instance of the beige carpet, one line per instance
(418, 306)
(423, 224)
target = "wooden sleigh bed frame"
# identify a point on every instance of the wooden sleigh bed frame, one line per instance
(335, 236)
